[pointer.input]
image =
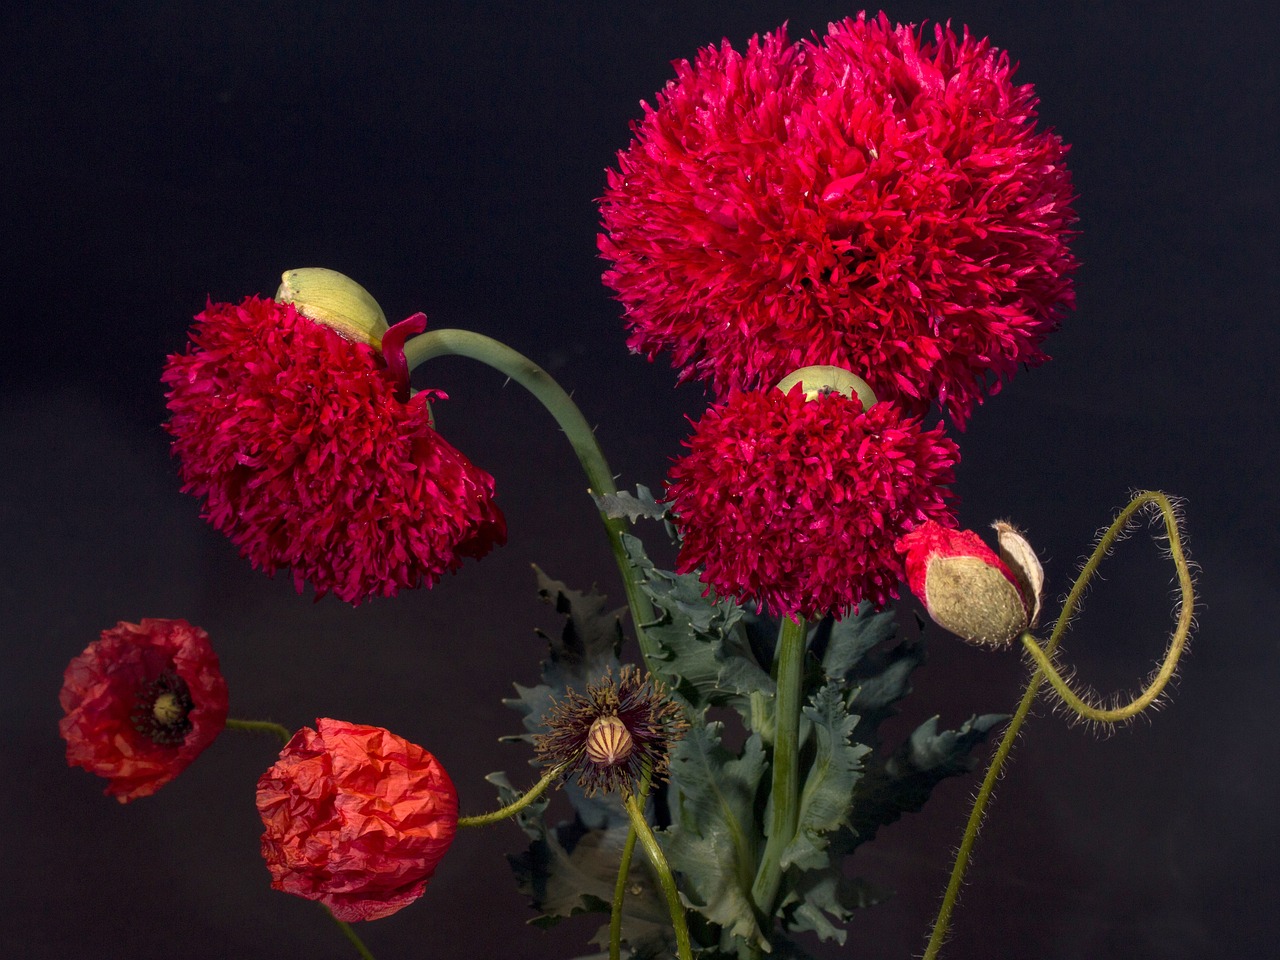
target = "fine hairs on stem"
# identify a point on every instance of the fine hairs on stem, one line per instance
(1164, 506)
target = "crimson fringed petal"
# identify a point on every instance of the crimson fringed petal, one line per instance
(794, 505)
(109, 695)
(356, 818)
(305, 458)
(874, 199)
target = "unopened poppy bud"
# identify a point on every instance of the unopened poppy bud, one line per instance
(335, 300)
(965, 586)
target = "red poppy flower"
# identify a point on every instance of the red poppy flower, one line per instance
(966, 587)
(306, 458)
(795, 504)
(871, 199)
(141, 703)
(356, 818)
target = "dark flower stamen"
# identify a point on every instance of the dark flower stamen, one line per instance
(163, 709)
(613, 735)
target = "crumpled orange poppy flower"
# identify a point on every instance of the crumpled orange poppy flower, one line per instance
(356, 818)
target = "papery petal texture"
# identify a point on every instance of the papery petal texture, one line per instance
(109, 695)
(356, 818)
(878, 199)
(794, 505)
(306, 459)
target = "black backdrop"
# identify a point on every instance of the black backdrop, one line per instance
(447, 155)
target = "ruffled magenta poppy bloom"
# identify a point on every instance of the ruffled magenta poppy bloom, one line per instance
(794, 505)
(141, 702)
(966, 587)
(878, 198)
(307, 458)
(356, 818)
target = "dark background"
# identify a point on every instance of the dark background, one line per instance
(447, 156)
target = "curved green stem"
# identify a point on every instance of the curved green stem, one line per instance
(619, 894)
(1163, 674)
(560, 405)
(684, 949)
(786, 762)
(511, 809)
(261, 726)
(624, 871)
(350, 934)
(1037, 679)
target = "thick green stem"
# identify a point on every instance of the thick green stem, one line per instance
(1070, 606)
(511, 809)
(786, 762)
(261, 726)
(684, 949)
(350, 934)
(464, 343)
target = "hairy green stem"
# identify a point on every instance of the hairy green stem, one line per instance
(789, 660)
(511, 809)
(464, 343)
(1070, 606)
(684, 949)
(261, 726)
(350, 934)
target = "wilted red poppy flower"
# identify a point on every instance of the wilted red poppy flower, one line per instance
(141, 703)
(966, 587)
(872, 199)
(795, 504)
(306, 458)
(356, 818)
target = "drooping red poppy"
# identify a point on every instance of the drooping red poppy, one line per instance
(795, 504)
(877, 199)
(142, 702)
(307, 458)
(356, 818)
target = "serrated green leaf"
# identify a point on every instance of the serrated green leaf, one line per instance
(818, 900)
(705, 655)
(623, 504)
(592, 635)
(847, 641)
(827, 794)
(713, 839)
(902, 782)
(568, 871)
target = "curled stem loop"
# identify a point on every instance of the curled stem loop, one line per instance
(1045, 671)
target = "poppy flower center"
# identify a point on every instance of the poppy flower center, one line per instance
(608, 741)
(162, 710)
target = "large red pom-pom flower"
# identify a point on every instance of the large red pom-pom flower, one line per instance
(871, 199)
(306, 458)
(795, 504)
(141, 703)
(356, 818)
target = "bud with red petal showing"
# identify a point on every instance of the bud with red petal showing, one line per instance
(982, 598)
